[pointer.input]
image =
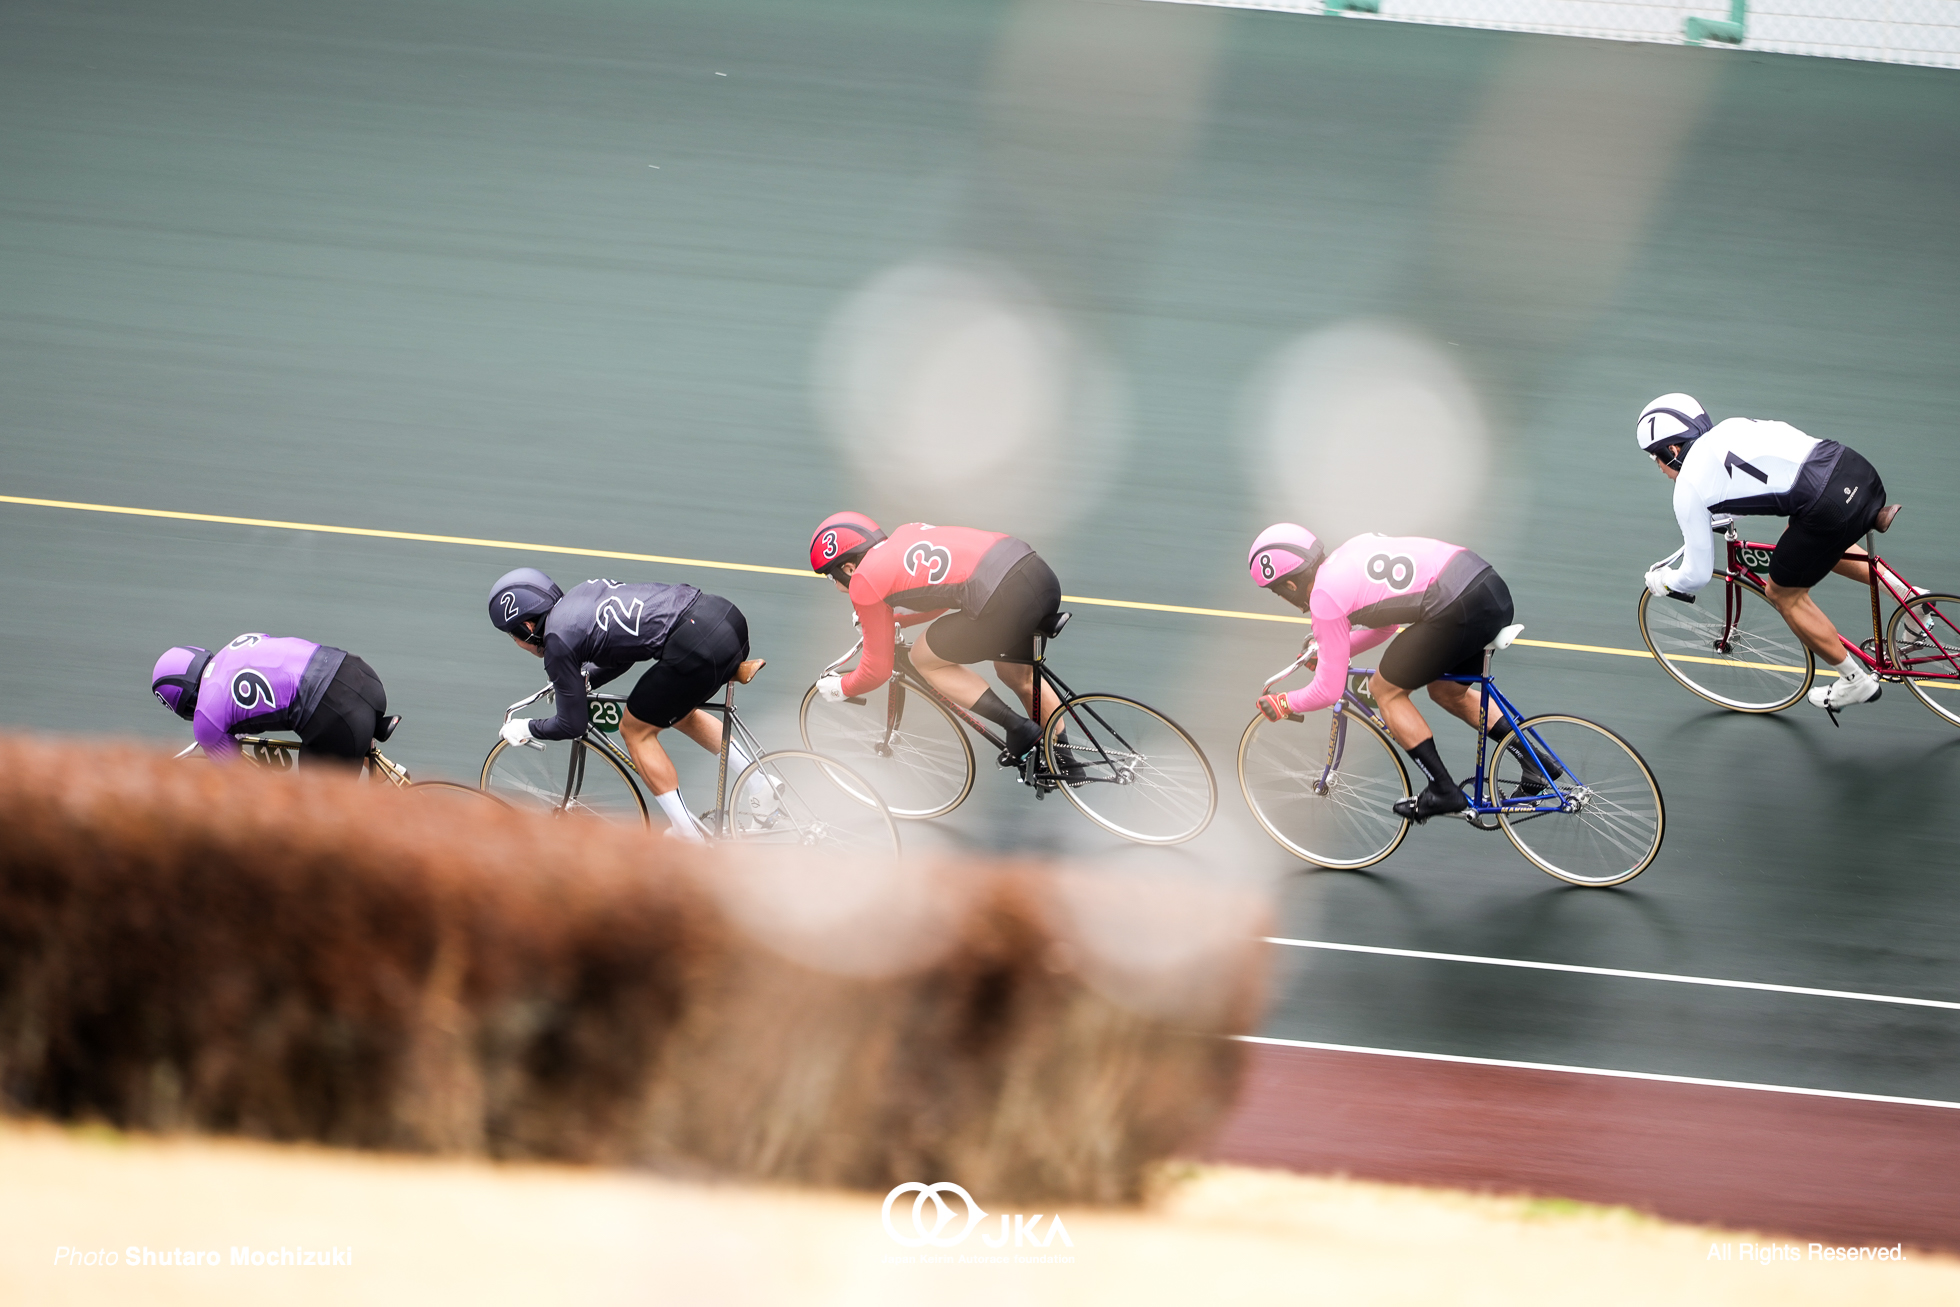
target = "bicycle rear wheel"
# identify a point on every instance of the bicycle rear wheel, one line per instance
(912, 751)
(451, 793)
(797, 799)
(564, 777)
(1758, 666)
(1130, 769)
(1328, 800)
(1599, 821)
(1924, 636)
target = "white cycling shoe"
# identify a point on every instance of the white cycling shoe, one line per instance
(1848, 690)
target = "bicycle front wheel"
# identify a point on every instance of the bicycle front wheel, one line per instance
(1326, 797)
(568, 777)
(1729, 646)
(797, 799)
(1598, 820)
(1130, 769)
(1924, 636)
(911, 750)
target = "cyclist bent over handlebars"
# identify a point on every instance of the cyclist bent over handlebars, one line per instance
(1454, 602)
(993, 590)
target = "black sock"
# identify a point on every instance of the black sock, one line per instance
(988, 705)
(1500, 732)
(1432, 766)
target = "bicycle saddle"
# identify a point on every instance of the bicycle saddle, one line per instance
(1886, 516)
(750, 666)
(1051, 626)
(1505, 636)
(385, 727)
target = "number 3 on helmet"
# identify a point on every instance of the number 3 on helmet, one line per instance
(842, 538)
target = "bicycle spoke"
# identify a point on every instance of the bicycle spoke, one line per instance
(1351, 823)
(1130, 769)
(1609, 820)
(1751, 663)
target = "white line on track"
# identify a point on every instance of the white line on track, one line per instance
(1614, 971)
(1595, 1071)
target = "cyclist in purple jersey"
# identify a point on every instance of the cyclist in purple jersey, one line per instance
(328, 697)
(595, 633)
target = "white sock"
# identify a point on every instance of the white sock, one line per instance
(738, 758)
(1850, 669)
(678, 816)
(1887, 574)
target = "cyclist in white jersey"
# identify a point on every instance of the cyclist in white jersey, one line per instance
(1830, 493)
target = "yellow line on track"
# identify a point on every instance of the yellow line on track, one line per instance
(426, 538)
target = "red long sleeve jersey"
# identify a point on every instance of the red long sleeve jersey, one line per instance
(928, 570)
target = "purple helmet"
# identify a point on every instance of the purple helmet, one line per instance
(1282, 550)
(519, 596)
(174, 680)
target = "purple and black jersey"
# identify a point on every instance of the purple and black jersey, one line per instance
(260, 683)
(601, 628)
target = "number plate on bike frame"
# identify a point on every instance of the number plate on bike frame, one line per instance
(604, 715)
(1755, 557)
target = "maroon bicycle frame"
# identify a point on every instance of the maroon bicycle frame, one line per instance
(1750, 559)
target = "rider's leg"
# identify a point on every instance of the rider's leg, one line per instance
(1441, 794)
(1020, 678)
(1808, 621)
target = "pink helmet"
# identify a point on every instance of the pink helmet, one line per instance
(1283, 550)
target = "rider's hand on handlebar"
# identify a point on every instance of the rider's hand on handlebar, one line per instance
(1275, 708)
(518, 731)
(831, 688)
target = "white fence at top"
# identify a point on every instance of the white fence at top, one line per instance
(1892, 31)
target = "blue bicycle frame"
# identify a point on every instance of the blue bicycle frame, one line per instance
(1559, 795)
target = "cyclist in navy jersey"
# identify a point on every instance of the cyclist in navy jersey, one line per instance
(328, 697)
(595, 633)
(1830, 493)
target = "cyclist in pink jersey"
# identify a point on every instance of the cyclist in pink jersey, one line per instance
(988, 591)
(1449, 604)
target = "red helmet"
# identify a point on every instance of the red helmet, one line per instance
(842, 538)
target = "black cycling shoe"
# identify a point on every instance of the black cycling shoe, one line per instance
(1434, 801)
(1021, 736)
(1072, 769)
(1532, 781)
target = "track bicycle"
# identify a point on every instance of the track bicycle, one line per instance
(1576, 799)
(1124, 765)
(1737, 651)
(791, 797)
(283, 755)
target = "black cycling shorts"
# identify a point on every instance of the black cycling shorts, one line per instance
(1003, 628)
(341, 727)
(703, 652)
(1452, 642)
(1834, 521)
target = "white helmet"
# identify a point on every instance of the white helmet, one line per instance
(1673, 419)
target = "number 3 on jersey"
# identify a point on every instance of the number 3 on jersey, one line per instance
(936, 559)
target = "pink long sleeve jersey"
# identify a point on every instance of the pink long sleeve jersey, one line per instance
(1365, 590)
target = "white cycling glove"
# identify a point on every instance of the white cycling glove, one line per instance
(1661, 579)
(831, 687)
(518, 731)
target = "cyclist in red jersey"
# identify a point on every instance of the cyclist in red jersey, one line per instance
(988, 591)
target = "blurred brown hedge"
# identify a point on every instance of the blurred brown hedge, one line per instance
(308, 957)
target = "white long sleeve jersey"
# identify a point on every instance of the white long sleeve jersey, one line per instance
(1745, 467)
